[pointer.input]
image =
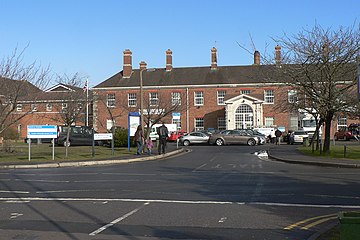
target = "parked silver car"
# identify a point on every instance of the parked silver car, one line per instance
(233, 137)
(194, 138)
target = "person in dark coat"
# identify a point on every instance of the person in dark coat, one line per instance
(139, 138)
(278, 134)
(163, 133)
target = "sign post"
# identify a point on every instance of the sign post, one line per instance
(42, 131)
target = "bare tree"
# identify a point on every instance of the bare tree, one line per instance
(320, 65)
(72, 108)
(19, 82)
(161, 108)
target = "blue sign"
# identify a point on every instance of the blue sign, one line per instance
(42, 131)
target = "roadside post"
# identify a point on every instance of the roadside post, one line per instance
(42, 131)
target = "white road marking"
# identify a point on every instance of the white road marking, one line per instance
(199, 167)
(79, 190)
(17, 192)
(223, 219)
(180, 202)
(117, 220)
(15, 215)
(17, 201)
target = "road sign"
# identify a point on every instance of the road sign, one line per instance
(103, 136)
(41, 131)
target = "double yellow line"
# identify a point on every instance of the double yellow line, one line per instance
(317, 220)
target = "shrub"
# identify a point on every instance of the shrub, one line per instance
(121, 138)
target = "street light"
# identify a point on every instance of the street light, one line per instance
(142, 69)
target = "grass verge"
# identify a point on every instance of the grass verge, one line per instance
(19, 153)
(351, 152)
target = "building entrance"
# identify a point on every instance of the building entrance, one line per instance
(244, 117)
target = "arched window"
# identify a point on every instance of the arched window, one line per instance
(244, 117)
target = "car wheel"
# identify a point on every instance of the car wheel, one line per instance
(251, 142)
(66, 143)
(345, 138)
(219, 142)
(186, 143)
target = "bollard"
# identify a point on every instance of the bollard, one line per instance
(344, 151)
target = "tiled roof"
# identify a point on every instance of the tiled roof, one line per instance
(192, 76)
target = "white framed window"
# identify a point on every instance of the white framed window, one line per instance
(110, 100)
(294, 123)
(19, 107)
(175, 98)
(178, 123)
(34, 107)
(246, 92)
(269, 96)
(221, 123)
(292, 96)
(199, 98)
(132, 99)
(64, 106)
(49, 107)
(154, 98)
(109, 124)
(341, 122)
(221, 97)
(269, 121)
(199, 124)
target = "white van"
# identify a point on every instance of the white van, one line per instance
(265, 130)
(153, 134)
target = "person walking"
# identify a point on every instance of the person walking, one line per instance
(149, 145)
(278, 134)
(139, 138)
(163, 133)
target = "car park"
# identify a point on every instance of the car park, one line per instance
(227, 137)
(194, 138)
(298, 137)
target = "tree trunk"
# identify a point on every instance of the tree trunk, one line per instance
(328, 120)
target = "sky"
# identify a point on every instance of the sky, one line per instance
(89, 36)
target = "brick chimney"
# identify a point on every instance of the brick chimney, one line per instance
(127, 68)
(256, 58)
(169, 60)
(143, 65)
(213, 58)
(277, 55)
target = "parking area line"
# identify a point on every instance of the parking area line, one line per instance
(112, 223)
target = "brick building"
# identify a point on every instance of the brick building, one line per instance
(34, 106)
(219, 97)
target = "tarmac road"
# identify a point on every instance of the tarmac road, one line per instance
(212, 192)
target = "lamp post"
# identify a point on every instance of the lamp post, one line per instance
(142, 99)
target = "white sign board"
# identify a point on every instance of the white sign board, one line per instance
(134, 122)
(103, 136)
(41, 131)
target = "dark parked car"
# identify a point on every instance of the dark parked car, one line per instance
(79, 136)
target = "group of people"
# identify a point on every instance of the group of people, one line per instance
(275, 136)
(163, 134)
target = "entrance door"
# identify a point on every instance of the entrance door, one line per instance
(244, 117)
